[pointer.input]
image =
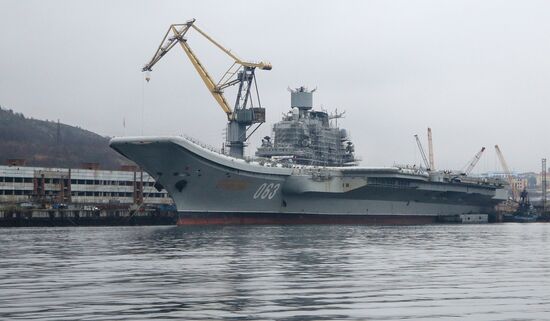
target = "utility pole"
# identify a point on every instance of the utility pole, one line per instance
(58, 134)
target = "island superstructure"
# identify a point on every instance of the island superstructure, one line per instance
(305, 136)
(306, 174)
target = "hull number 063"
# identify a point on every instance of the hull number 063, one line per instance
(267, 191)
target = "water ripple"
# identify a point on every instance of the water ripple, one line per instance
(342, 272)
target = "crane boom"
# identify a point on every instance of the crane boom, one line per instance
(507, 173)
(474, 161)
(175, 34)
(431, 149)
(242, 73)
(218, 94)
(262, 65)
(422, 153)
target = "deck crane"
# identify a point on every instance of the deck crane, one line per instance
(470, 166)
(422, 153)
(507, 173)
(431, 149)
(242, 73)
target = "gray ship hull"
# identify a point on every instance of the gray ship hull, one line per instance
(211, 188)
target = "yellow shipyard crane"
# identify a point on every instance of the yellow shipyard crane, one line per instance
(243, 114)
(508, 174)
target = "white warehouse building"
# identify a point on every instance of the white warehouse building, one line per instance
(20, 184)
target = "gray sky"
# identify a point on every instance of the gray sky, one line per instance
(477, 72)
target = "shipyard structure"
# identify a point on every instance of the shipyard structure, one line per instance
(88, 195)
(305, 136)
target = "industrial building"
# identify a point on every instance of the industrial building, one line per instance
(60, 194)
(78, 186)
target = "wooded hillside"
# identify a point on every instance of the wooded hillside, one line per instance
(52, 144)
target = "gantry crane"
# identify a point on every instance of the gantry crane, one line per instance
(470, 166)
(507, 173)
(422, 153)
(243, 115)
(431, 149)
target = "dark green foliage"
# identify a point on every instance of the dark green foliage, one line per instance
(45, 143)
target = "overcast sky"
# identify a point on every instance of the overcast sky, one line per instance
(477, 72)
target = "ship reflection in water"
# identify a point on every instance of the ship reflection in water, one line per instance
(434, 272)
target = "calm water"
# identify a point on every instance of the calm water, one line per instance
(439, 272)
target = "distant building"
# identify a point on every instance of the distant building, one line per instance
(19, 184)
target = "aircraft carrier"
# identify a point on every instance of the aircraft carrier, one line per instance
(306, 173)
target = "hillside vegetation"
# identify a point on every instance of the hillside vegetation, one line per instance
(49, 144)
